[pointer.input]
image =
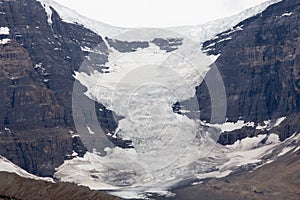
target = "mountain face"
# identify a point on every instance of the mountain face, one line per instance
(259, 61)
(36, 82)
(43, 56)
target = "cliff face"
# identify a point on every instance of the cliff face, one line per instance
(259, 63)
(26, 102)
(36, 76)
(54, 51)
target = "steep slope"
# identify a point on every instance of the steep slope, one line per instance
(207, 31)
(259, 66)
(37, 64)
(70, 16)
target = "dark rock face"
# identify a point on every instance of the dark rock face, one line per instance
(260, 67)
(38, 151)
(27, 103)
(37, 81)
(125, 46)
(169, 44)
(54, 51)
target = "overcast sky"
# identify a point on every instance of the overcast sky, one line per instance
(157, 13)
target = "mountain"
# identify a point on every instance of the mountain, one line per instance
(264, 58)
(207, 31)
(37, 79)
(74, 88)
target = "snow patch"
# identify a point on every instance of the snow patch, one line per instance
(4, 30)
(215, 174)
(233, 30)
(297, 149)
(74, 154)
(5, 41)
(230, 126)
(273, 139)
(211, 45)
(269, 124)
(247, 143)
(7, 166)
(225, 39)
(286, 14)
(87, 49)
(39, 66)
(90, 130)
(285, 150)
(90, 50)
(279, 121)
(247, 151)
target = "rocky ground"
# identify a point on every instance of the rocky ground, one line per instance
(14, 187)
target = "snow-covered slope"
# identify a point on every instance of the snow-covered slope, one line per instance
(208, 30)
(71, 16)
(7, 166)
(199, 33)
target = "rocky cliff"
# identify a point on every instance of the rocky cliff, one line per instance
(36, 76)
(259, 63)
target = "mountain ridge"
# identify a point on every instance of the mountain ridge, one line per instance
(43, 53)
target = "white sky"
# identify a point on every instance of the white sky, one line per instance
(157, 13)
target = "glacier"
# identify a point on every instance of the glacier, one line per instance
(142, 86)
